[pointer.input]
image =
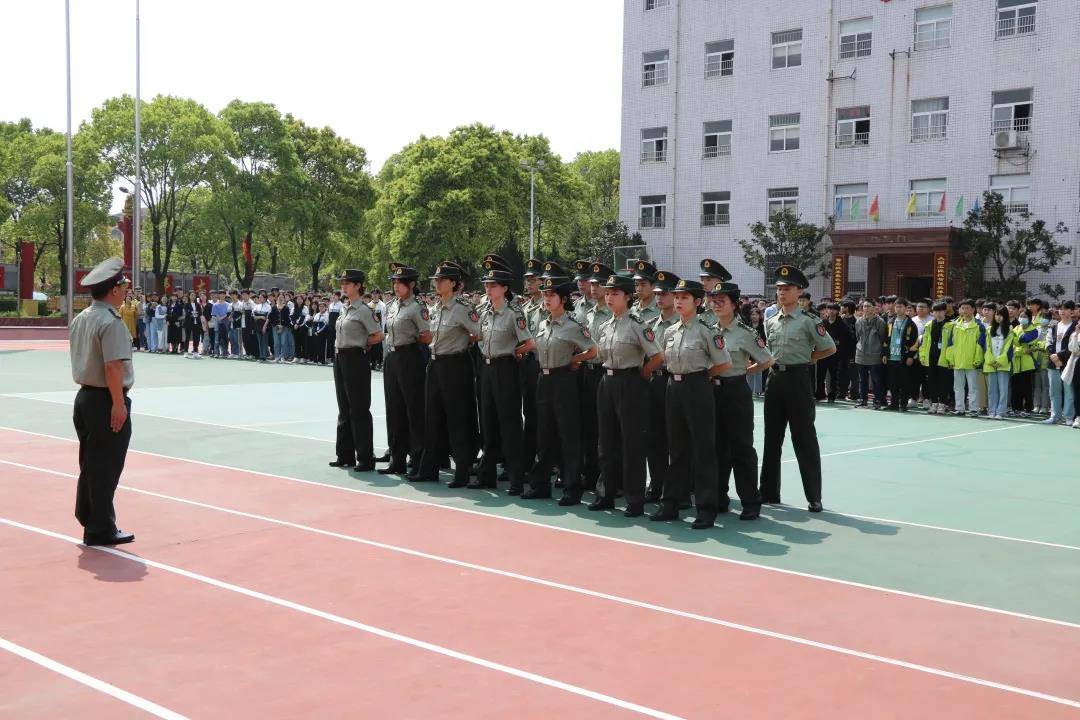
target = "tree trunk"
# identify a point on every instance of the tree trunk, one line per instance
(61, 255)
(273, 260)
(159, 275)
(315, 266)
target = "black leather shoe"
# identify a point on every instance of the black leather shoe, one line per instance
(385, 457)
(602, 504)
(653, 497)
(815, 507)
(364, 467)
(420, 478)
(117, 537)
(569, 499)
(704, 522)
(392, 470)
(341, 463)
(457, 483)
(666, 513)
(537, 493)
(477, 485)
(753, 514)
(634, 510)
(515, 491)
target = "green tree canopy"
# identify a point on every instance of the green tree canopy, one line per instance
(787, 240)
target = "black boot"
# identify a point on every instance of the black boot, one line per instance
(668, 511)
(602, 503)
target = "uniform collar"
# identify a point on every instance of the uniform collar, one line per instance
(794, 312)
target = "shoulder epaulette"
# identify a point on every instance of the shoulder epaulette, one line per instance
(744, 326)
(635, 318)
(463, 301)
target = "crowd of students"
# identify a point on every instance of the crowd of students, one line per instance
(976, 357)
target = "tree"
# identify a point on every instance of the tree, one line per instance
(1012, 244)
(202, 247)
(182, 142)
(610, 235)
(786, 240)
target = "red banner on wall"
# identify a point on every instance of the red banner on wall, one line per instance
(839, 275)
(26, 271)
(80, 273)
(941, 275)
(200, 283)
(169, 284)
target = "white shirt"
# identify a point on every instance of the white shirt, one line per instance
(921, 323)
(337, 306)
(380, 310)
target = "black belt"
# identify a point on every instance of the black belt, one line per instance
(500, 359)
(405, 346)
(721, 380)
(556, 370)
(100, 389)
(683, 377)
(447, 356)
(350, 350)
(789, 368)
(624, 371)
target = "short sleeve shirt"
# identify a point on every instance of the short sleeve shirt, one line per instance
(452, 324)
(354, 325)
(558, 340)
(742, 342)
(645, 313)
(793, 336)
(598, 314)
(693, 346)
(501, 331)
(625, 342)
(99, 336)
(659, 325)
(405, 320)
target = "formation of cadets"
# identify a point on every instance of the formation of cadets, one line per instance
(639, 391)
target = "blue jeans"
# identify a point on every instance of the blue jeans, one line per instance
(234, 340)
(871, 375)
(264, 343)
(283, 343)
(997, 383)
(971, 379)
(1062, 399)
(158, 332)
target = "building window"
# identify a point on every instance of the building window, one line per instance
(655, 69)
(933, 27)
(784, 132)
(653, 4)
(654, 144)
(853, 126)
(720, 58)
(929, 119)
(653, 211)
(781, 199)
(787, 49)
(1015, 191)
(1015, 17)
(715, 208)
(929, 196)
(850, 202)
(717, 139)
(1012, 111)
(856, 38)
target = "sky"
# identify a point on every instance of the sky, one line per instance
(379, 73)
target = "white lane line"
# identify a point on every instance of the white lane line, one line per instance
(89, 681)
(919, 442)
(363, 627)
(583, 591)
(585, 533)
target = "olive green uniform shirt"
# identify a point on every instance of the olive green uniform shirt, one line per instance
(659, 325)
(691, 347)
(742, 342)
(559, 340)
(645, 313)
(405, 321)
(502, 330)
(792, 336)
(625, 342)
(452, 324)
(355, 323)
(598, 314)
(99, 336)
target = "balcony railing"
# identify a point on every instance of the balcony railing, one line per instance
(1016, 208)
(714, 151)
(650, 78)
(933, 132)
(653, 156)
(1007, 27)
(651, 221)
(926, 212)
(719, 68)
(714, 219)
(852, 139)
(1022, 124)
(653, 4)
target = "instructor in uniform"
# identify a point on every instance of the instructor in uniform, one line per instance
(796, 340)
(101, 366)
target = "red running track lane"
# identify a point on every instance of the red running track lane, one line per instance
(990, 646)
(30, 692)
(625, 651)
(204, 652)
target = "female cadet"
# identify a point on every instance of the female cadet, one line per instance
(407, 328)
(562, 344)
(657, 454)
(694, 353)
(504, 340)
(356, 331)
(630, 355)
(735, 451)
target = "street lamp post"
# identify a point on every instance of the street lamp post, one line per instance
(69, 248)
(136, 255)
(532, 168)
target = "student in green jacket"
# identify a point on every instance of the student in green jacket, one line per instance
(1023, 365)
(965, 344)
(998, 362)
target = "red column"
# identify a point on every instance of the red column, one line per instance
(125, 225)
(26, 271)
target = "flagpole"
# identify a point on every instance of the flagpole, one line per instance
(69, 247)
(137, 210)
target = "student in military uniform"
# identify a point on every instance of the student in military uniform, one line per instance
(657, 454)
(504, 340)
(407, 329)
(529, 368)
(644, 308)
(591, 372)
(101, 366)
(712, 274)
(450, 412)
(357, 330)
(582, 274)
(796, 339)
(735, 451)
(562, 344)
(694, 353)
(630, 355)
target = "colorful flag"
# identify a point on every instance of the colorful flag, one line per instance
(875, 213)
(960, 207)
(911, 205)
(976, 208)
(941, 207)
(855, 210)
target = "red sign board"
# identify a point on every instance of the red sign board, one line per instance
(200, 283)
(169, 284)
(839, 275)
(941, 274)
(1, 276)
(80, 273)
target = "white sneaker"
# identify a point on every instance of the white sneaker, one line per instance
(927, 404)
(1076, 422)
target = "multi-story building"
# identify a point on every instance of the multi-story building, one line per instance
(891, 118)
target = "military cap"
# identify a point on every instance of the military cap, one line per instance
(620, 282)
(496, 262)
(400, 271)
(562, 285)
(350, 275)
(644, 270)
(105, 275)
(791, 275)
(711, 268)
(533, 267)
(497, 275)
(727, 288)
(666, 281)
(690, 286)
(553, 269)
(447, 269)
(600, 272)
(582, 270)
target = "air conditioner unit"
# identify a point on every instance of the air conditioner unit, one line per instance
(1006, 140)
